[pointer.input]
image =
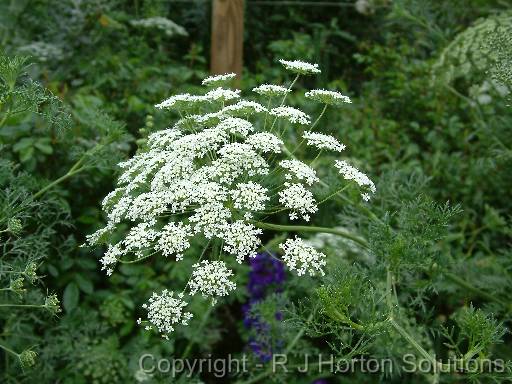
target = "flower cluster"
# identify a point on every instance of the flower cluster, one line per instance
(301, 257)
(351, 173)
(300, 67)
(165, 311)
(327, 97)
(169, 27)
(293, 115)
(211, 278)
(217, 80)
(321, 141)
(213, 177)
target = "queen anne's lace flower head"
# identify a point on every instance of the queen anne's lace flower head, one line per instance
(300, 171)
(328, 97)
(293, 115)
(212, 180)
(322, 141)
(249, 196)
(271, 90)
(235, 125)
(241, 239)
(300, 67)
(221, 94)
(211, 279)
(166, 311)
(174, 239)
(218, 80)
(298, 200)
(351, 173)
(265, 142)
(184, 101)
(302, 258)
(243, 108)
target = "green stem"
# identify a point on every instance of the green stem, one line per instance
(318, 118)
(4, 118)
(23, 305)
(344, 319)
(191, 343)
(479, 292)
(298, 335)
(414, 343)
(389, 290)
(333, 194)
(284, 98)
(9, 350)
(72, 171)
(303, 228)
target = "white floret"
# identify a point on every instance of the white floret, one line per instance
(322, 141)
(328, 97)
(300, 67)
(351, 173)
(293, 115)
(174, 239)
(211, 279)
(298, 200)
(271, 90)
(302, 258)
(300, 171)
(166, 311)
(265, 142)
(218, 79)
(249, 196)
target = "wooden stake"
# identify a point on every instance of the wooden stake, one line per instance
(227, 37)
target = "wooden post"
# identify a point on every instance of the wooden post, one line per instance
(227, 37)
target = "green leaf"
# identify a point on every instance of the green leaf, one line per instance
(71, 297)
(84, 284)
(53, 271)
(44, 146)
(26, 154)
(23, 144)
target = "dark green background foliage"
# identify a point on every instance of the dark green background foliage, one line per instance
(430, 123)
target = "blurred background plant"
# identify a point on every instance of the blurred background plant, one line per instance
(431, 118)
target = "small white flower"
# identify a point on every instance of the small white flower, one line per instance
(302, 258)
(351, 173)
(183, 101)
(109, 259)
(162, 139)
(211, 279)
(299, 171)
(271, 90)
(293, 115)
(300, 67)
(216, 80)
(328, 97)
(169, 27)
(322, 141)
(174, 239)
(166, 311)
(265, 142)
(140, 238)
(235, 125)
(210, 219)
(221, 94)
(236, 160)
(243, 108)
(298, 200)
(249, 196)
(241, 239)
